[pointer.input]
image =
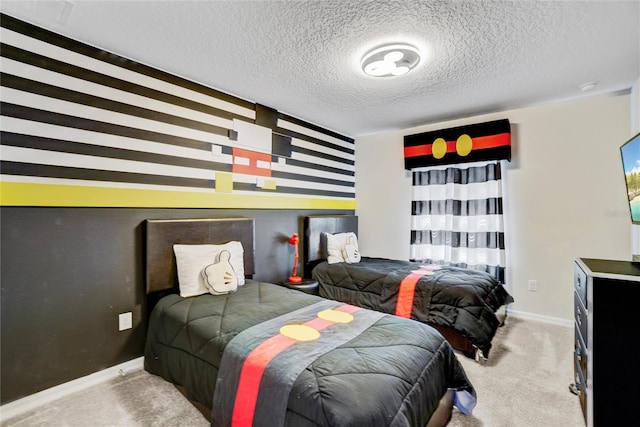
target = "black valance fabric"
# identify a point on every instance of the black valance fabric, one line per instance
(462, 144)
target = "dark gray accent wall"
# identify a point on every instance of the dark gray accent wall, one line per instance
(66, 274)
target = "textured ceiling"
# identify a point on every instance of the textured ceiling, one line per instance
(303, 57)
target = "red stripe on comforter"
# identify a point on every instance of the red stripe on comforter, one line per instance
(256, 363)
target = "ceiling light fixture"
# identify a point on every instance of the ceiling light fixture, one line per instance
(390, 60)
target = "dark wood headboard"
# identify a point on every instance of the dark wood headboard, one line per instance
(314, 244)
(162, 234)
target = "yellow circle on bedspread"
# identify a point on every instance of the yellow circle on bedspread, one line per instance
(336, 316)
(300, 332)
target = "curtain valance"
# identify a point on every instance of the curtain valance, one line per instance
(462, 144)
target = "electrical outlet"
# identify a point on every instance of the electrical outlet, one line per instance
(125, 321)
(533, 285)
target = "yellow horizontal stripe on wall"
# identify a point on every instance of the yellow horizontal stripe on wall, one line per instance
(35, 194)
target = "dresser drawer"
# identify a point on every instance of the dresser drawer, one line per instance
(581, 317)
(580, 371)
(580, 353)
(580, 283)
(582, 388)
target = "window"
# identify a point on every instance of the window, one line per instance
(457, 217)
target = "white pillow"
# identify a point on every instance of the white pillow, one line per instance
(337, 245)
(192, 259)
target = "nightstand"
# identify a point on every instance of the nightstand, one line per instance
(308, 286)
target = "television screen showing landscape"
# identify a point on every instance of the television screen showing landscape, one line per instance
(630, 152)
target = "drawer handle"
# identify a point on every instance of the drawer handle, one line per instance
(578, 355)
(579, 282)
(579, 318)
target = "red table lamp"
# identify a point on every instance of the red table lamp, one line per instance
(294, 278)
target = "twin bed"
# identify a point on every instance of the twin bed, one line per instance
(269, 355)
(466, 306)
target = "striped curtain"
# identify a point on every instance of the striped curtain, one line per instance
(457, 217)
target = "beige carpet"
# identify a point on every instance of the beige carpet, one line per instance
(137, 399)
(524, 383)
(526, 380)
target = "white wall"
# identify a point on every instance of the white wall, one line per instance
(635, 108)
(564, 195)
(635, 128)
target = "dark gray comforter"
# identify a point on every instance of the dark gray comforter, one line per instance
(394, 373)
(463, 299)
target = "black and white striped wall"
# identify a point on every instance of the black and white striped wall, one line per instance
(85, 127)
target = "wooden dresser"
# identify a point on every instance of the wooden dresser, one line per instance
(607, 326)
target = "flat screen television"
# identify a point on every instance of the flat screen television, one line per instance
(630, 153)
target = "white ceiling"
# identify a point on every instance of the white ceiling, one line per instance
(303, 57)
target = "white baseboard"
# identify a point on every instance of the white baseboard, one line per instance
(43, 397)
(540, 318)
